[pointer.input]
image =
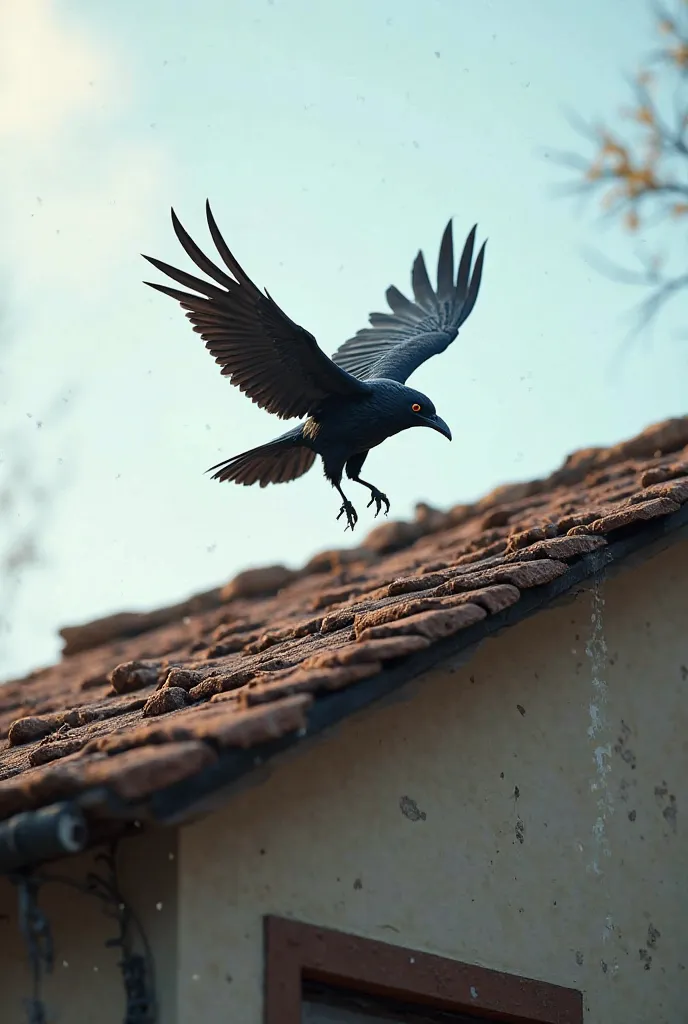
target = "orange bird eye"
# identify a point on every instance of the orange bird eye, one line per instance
(415, 407)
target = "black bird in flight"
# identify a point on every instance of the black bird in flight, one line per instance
(353, 401)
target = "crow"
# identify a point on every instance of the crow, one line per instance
(353, 401)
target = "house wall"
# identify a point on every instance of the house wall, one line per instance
(523, 812)
(85, 986)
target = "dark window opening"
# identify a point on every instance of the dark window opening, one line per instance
(325, 1004)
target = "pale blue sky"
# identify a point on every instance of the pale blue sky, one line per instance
(333, 140)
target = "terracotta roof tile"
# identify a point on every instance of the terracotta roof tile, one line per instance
(432, 624)
(371, 650)
(142, 700)
(170, 698)
(519, 574)
(134, 675)
(309, 680)
(628, 514)
(553, 547)
(660, 473)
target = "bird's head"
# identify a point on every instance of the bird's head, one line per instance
(418, 411)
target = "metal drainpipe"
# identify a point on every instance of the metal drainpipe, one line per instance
(34, 836)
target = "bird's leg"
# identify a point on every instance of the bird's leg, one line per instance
(353, 469)
(347, 509)
(377, 496)
(334, 467)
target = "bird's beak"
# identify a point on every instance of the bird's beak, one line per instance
(438, 424)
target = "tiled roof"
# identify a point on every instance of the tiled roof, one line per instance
(147, 713)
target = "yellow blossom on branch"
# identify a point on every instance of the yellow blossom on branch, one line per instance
(679, 55)
(643, 115)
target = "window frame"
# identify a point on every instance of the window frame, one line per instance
(295, 952)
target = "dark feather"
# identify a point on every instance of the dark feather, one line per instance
(474, 287)
(445, 265)
(221, 246)
(463, 274)
(422, 289)
(199, 257)
(398, 303)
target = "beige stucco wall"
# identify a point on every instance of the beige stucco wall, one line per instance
(85, 986)
(580, 879)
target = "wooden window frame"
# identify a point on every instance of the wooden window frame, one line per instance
(295, 952)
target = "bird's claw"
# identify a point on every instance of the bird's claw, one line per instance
(380, 499)
(351, 514)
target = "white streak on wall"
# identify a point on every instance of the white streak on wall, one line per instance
(596, 650)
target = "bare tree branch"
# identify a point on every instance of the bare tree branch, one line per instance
(640, 177)
(28, 491)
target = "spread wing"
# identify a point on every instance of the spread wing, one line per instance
(397, 343)
(278, 364)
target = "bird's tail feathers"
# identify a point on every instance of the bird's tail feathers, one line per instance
(276, 462)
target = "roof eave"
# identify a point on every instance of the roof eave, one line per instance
(209, 789)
